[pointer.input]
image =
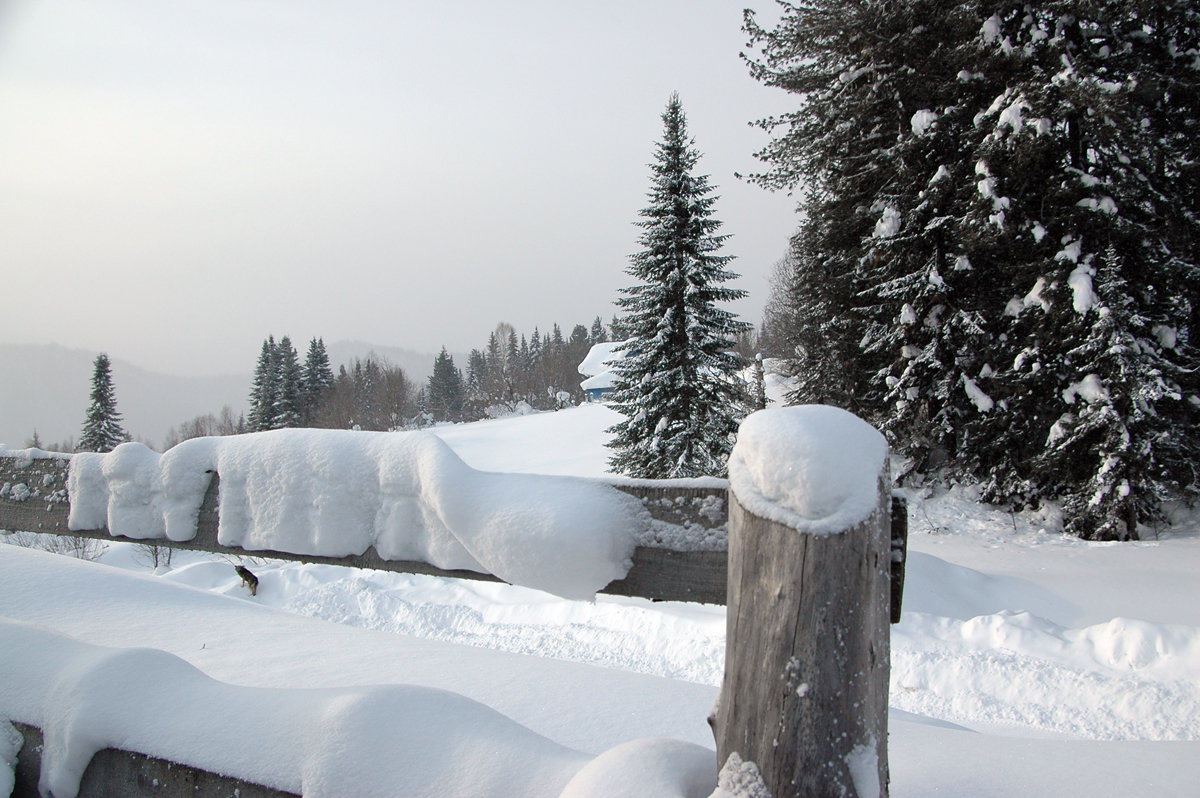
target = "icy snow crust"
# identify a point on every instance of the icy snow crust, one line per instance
(814, 468)
(336, 493)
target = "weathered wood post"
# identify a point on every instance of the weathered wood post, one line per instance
(805, 695)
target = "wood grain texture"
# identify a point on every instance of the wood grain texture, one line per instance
(806, 664)
(128, 774)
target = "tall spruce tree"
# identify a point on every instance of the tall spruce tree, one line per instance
(102, 431)
(264, 391)
(677, 386)
(290, 406)
(446, 393)
(1000, 237)
(316, 377)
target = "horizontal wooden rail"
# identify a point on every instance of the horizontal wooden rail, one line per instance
(132, 775)
(658, 573)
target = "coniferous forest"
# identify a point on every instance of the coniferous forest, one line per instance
(997, 261)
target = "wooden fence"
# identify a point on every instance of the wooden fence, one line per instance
(806, 678)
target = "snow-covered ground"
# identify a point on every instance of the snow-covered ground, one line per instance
(1026, 664)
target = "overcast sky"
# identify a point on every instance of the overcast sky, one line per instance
(181, 178)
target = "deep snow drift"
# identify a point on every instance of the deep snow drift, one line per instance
(1027, 663)
(337, 493)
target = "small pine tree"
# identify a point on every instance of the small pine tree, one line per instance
(677, 386)
(598, 335)
(102, 431)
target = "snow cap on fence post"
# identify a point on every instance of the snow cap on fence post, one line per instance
(805, 693)
(815, 468)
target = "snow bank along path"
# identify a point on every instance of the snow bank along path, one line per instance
(335, 493)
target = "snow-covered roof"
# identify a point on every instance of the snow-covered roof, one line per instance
(599, 382)
(600, 357)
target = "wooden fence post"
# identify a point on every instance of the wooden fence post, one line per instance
(805, 693)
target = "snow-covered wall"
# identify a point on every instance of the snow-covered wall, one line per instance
(814, 468)
(336, 493)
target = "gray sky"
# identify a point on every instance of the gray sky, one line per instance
(181, 178)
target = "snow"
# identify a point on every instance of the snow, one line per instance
(337, 493)
(1012, 116)
(1034, 297)
(922, 120)
(87, 697)
(1090, 389)
(1083, 295)
(10, 746)
(739, 779)
(1072, 248)
(1026, 663)
(888, 224)
(990, 31)
(1167, 336)
(601, 357)
(814, 468)
(981, 400)
(863, 764)
(1105, 205)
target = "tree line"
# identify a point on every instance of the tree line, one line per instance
(539, 371)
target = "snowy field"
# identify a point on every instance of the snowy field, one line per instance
(1027, 663)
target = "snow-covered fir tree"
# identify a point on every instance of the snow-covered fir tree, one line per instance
(290, 408)
(1000, 238)
(446, 392)
(264, 391)
(316, 377)
(598, 334)
(677, 386)
(102, 431)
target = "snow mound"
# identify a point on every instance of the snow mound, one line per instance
(337, 493)
(10, 745)
(373, 740)
(815, 468)
(384, 740)
(652, 767)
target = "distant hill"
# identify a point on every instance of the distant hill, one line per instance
(46, 386)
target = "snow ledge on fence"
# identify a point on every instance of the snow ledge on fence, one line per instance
(373, 741)
(336, 493)
(814, 468)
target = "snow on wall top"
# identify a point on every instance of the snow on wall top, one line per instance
(814, 468)
(336, 493)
